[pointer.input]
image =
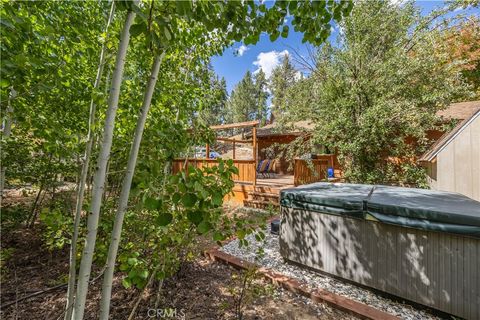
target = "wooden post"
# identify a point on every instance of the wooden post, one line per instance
(254, 147)
(233, 149)
(207, 151)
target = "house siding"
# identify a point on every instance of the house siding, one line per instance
(458, 164)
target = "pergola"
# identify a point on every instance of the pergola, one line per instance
(246, 168)
(246, 179)
(252, 124)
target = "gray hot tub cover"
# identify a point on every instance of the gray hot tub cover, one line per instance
(409, 207)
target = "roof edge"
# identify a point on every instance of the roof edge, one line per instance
(446, 138)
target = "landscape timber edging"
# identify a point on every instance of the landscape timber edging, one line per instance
(353, 307)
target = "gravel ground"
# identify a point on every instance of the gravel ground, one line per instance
(272, 259)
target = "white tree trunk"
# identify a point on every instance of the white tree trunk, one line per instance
(127, 182)
(83, 178)
(100, 174)
(7, 130)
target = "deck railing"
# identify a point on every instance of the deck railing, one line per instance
(303, 173)
(246, 168)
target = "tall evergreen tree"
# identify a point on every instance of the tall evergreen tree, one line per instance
(261, 95)
(283, 77)
(243, 103)
(215, 109)
(248, 100)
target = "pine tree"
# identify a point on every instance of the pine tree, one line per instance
(243, 103)
(215, 109)
(261, 96)
(283, 77)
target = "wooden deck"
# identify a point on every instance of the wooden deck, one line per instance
(257, 190)
(280, 181)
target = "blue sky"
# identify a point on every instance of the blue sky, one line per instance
(267, 54)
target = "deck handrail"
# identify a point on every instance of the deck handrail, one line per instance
(246, 168)
(302, 172)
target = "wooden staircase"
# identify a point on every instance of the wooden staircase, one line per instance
(263, 198)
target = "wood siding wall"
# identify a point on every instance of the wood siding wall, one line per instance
(246, 168)
(458, 164)
(303, 174)
(439, 270)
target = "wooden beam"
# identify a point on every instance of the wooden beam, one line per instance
(207, 151)
(234, 140)
(233, 149)
(254, 147)
(236, 125)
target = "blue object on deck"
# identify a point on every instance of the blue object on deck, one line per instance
(259, 165)
(330, 172)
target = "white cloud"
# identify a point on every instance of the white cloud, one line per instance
(298, 75)
(267, 61)
(241, 50)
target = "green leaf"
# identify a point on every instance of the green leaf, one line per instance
(337, 13)
(152, 204)
(143, 274)
(189, 200)
(4, 83)
(241, 234)
(195, 217)
(164, 218)
(132, 261)
(137, 29)
(204, 227)
(217, 199)
(139, 282)
(174, 179)
(293, 5)
(7, 23)
(274, 35)
(127, 283)
(167, 33)
(198, 186)
(132, 274)
(176, 197)
(182, 7)
(217, 236)
(237, 37)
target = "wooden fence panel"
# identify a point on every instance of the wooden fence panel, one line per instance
(303, 174)
(246, 168)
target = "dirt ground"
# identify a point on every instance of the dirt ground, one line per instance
(201, 290)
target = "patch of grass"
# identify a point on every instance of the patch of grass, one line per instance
(60, 280)
(14, 216)
(5, 255)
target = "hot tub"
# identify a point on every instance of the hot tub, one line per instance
(419, 245)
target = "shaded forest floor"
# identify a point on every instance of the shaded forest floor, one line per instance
(200, 290)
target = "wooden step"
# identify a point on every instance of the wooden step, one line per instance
(259, 204)
(267, 189)
(266, 196)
